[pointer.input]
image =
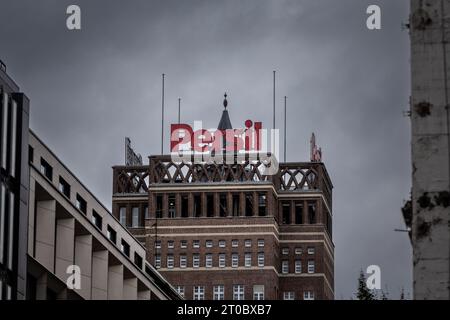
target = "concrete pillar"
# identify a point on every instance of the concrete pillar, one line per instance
(83, 259)
(165, 205)
(203, 208)
(292, 204)
(31, 216)
(45, 233)
(190, 205)
(241, 204)
(229, 204)
(271, 206)
(430, 121)
(152, 206)
(305, 212)
(129, 216)
(319, 212)
(216, 204)
(130, 289)
(99, 275)
(177, 205)
(143, 295)
(141, 215)
(41, 287)
(255, 203)
(62, 295)
(65, 243)
(115, 282)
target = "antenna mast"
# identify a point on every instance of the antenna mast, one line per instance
(285, 98)
(162, 116)
(179, 110)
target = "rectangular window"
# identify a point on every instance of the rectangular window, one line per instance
(4, 130)
(199, 293)
(289, 295)
(13, 142)
(234, 243)
(311, 212)
(172, 213)
(285, 251)
(30, 154)
(258, 292)
(238, 292)
(196, 244)
(223, 205)
(64, 187)
(222, 243)
(10, 240)
(248, 243)
(209, 243)
(311, 266)
(261, 204)
(81, 204)
(183, 244)
(157, 261)
(249, 204)
(298, 212)
(308, 295)
(184, 206)
(148, 271)
(261, 259)
(298, 266)
(183, 261)
(210, 205)
(96, 219)
(125, 248)
(158, 244)
(159, 206)
(180, 290)
(222, 260)
(298, 251)
(135, 217)
(196, 260)
(138, 260)
(170, 261)
(170, 244)
(285, 266)
(248, 260)
(234, 260)
(46, 169)
(236, 205)
(146, 213)
(111, 234)
(260, 242)
(197, 205)
(311, 250)
(209, 260)
(219, 292)
(123, 216)
(286, 211)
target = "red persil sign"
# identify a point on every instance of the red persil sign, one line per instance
(185, 139)
(240, 145)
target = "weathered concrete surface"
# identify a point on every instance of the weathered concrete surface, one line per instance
(430, 60)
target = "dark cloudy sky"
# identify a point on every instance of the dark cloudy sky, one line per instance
(91, 88)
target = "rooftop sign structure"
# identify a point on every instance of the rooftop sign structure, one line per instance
(316, 152)
(131, 158)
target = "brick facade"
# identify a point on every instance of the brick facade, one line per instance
(291, 213)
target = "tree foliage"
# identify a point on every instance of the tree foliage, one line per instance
(364, 293)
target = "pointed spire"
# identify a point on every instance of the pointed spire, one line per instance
(225, 122)
(225, 102)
